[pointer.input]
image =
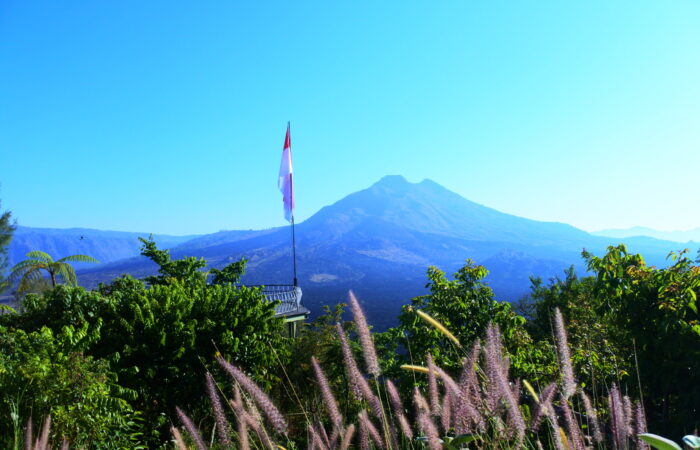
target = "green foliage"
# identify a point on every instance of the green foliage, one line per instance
(658, 442)
(633, 324)
(230, 274)
(464, 305)
(30, 269)
(40, 375)
(110, 363)
(159, 340)
(185, 271)
(596, 356)
(654, 314)
(691, 441)
(7, 228)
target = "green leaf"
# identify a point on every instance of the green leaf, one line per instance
(463, 439)
(7, 308)
(78, 258)
(659, 442)
(40, 256)
(692, 441)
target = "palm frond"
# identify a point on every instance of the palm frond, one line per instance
(20, 269)
(7, 308)
(40, 256)
(67, 272)
(33, 273)
(78, 258)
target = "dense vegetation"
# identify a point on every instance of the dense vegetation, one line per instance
(133, 348)
(120, 366)
(7, 228)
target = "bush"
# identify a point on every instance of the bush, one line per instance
(40, 376)
(158, 340)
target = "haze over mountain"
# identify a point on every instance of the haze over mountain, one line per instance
(380, 241)
(105, 246)
(677, 236)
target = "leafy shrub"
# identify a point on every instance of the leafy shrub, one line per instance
(41, 376)
(158, 339)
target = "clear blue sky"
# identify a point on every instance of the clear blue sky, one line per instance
(169, 116)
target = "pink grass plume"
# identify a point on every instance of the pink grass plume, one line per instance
(571, 424)
(433, 393)
(327, 394)
(358, 383)
(399, 410)
(271, 412)
(592, 417)
(568, 385)
(191, 429)
(177, 437)
(347, 437)
(640, 426)
(428, 427)
(365, 336)
(222, 427)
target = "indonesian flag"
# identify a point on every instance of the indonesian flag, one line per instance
(284, 181)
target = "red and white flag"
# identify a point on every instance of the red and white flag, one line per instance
(284, 181)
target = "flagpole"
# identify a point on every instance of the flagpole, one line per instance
(294, 253)
(294, 243)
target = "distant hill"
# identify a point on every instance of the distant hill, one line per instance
(381, 240)
(106, 246)
(676, 236)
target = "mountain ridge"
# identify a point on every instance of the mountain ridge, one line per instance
(681, 236)
(379, 241)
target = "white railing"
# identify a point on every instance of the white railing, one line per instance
(288, 295)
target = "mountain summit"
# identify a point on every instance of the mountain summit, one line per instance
(428, 207)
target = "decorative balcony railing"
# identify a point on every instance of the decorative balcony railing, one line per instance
(288, 295)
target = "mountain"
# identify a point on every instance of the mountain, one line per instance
(676, 236)
(105, 246)
(381, 240)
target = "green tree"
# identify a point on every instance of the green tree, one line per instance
(7, 228)
(465, 306)
(160, 338)
(230, 274)
(654, 312)
(31, 269)
(597, 357)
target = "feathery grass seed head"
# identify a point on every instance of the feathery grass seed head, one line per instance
(191, 429)
(327, 394)
(222, 426)
(433, 393)
(275, 417)
(365, 336)
(640, 426)
(347, 437)
(592, 417)
(568, 385)
(177, 437)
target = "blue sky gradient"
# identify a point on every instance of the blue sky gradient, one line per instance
(169, 117)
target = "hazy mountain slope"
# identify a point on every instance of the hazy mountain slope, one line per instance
(221, 237)
(430, 208)
(106, 246)
(676, 236)
(381, 240)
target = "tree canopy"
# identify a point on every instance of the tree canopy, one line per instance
(7, 228)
